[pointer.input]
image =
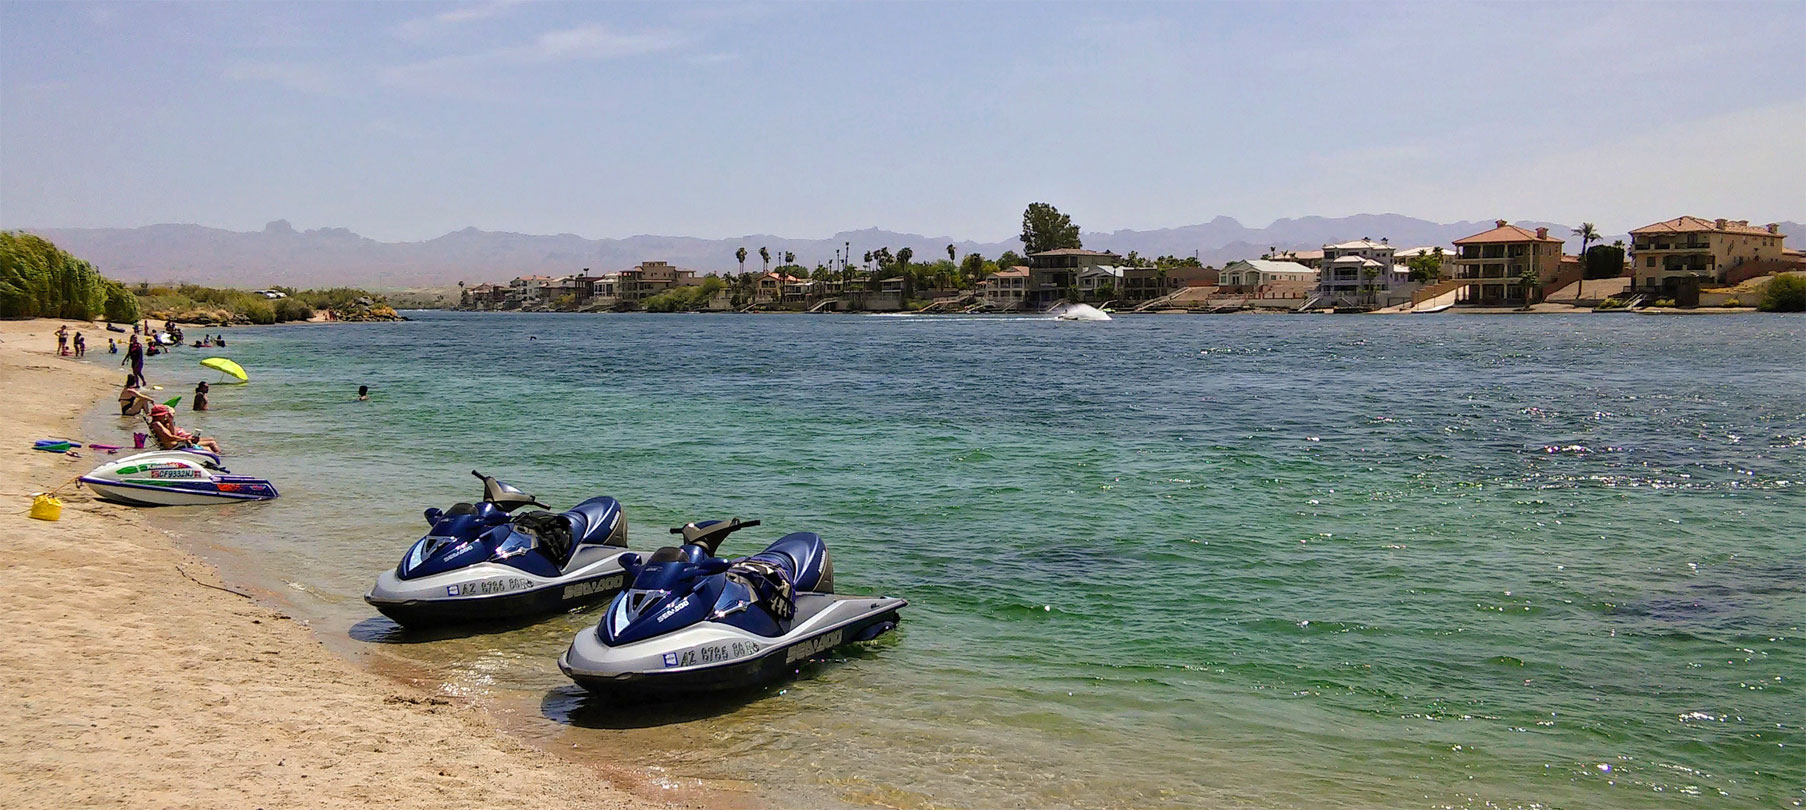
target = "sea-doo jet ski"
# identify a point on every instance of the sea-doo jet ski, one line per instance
(478, 564)
(185, 477)
(690, 621)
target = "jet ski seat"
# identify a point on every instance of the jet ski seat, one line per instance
(587, 522)
(803, 558)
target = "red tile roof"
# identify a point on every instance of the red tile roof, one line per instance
(1702, 225)
(1505, 233)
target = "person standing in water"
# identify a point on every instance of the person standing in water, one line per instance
(81, 345)
(134, 354)
(200, 396)
(62, 341)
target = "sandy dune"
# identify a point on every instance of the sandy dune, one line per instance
(124, 683)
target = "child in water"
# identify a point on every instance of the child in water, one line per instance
(112, 346)
(200, 397)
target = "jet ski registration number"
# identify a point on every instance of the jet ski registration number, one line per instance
(489, 587)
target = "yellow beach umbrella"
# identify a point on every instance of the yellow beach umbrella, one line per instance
(226, 367)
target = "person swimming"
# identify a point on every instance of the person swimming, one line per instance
(363, 393)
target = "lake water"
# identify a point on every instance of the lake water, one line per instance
(1229, 561)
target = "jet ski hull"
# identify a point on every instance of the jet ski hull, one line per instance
(713, 656)
(490, 593)
(174, 478)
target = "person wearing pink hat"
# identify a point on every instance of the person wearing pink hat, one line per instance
(170, 437)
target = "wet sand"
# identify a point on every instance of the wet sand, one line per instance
(135, 678)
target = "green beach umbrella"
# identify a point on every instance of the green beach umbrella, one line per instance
(226, 367)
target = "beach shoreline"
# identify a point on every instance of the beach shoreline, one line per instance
(138, 678)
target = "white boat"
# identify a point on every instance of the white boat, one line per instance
(185, 477)
(1432, 310)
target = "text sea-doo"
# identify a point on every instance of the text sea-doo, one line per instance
(691, 621)
(185, 477)
(478, 564)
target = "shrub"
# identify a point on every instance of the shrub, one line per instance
(1662, 302)
(122, 305)
(38, 279)
(293, 309)
(1733, 301)
(1611, 303)
(1785, 292)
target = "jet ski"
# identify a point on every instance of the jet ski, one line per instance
(479, 564)
(185, 477)
(693, 622)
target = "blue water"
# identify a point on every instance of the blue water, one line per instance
(1260, 561)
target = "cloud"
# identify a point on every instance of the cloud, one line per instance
(596, 42)
(422, 27)
(310, 79)
(466, 74)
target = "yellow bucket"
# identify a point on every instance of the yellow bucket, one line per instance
(46, 507)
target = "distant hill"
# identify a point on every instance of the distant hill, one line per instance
(279, 254)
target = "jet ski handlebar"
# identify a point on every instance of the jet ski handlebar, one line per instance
(710, 533)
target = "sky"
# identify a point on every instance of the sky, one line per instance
(404, 121)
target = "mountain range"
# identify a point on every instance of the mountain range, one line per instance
(280, 254)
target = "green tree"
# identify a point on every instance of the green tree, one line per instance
(1009, 259)
(740, 256)
(1588, 235)
(950, 254)
(1426, 268)
(1045, 228)
(1529, 280)
(764, 260)
(1603, 261)
(972, 269)
(789, 258)
(1785, 292)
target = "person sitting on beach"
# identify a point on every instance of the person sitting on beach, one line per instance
(200, 396)
(112, 346)
(170, 437)
(131, 400)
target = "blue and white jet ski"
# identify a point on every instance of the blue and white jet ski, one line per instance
(691, 621)
(478, 564)
(186, 477)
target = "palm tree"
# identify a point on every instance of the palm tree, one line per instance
(764, 260)
(1587, 234)
(740, 255)
(789, 258)
(1367, 277)
(1528, 280)
(950, 256)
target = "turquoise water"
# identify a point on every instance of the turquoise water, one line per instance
(1232, 561)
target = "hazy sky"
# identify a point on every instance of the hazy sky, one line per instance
(408, 120)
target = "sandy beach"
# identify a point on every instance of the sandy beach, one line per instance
(134, 678)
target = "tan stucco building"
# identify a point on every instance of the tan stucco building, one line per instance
(1490, 264)
(1702, 248)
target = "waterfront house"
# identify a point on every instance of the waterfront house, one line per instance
(1053, 274)
(769, 288)
(1005, 289)
(647, 279)
(1356, 272)
(1488, 265)
(1100, 279)
(1251, 275)
(1706, 250)
(524, 290)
